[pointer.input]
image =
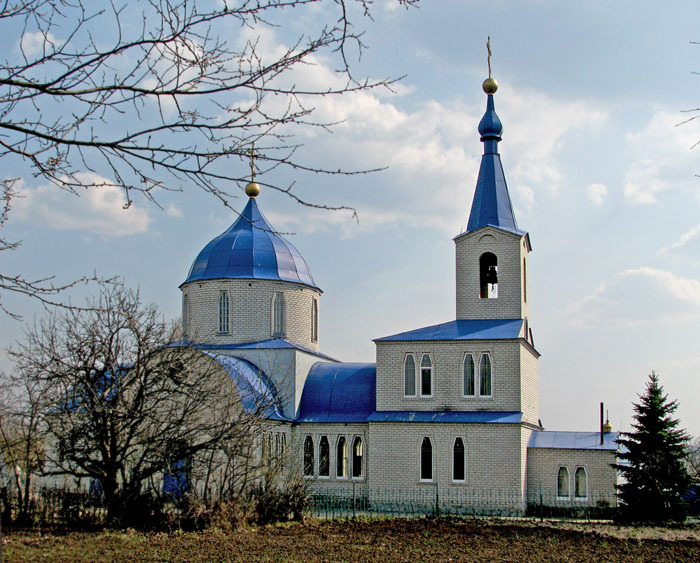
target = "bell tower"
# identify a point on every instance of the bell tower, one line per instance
(492, 254)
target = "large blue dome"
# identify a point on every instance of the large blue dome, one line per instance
(251, 249)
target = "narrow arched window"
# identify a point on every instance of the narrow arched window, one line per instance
(223, 312)
(278, 314)
(488, 276)
(308, 456)
(581, 483)
(563, 483)
(341, 458)
(185, 313)
(524, 280)
(485, 376)
(314, 320)
(324, 458)
(458, 460)
(426, 460)
(357, 457)
(426, 376)
(409, 376)
(469, 379)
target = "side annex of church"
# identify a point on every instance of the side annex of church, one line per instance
(453, 406)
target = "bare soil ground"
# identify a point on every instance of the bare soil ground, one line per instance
(395, 540)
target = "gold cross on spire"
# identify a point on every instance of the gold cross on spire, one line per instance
(252, 163)
(488, 49)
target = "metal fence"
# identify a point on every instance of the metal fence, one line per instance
(435, 501)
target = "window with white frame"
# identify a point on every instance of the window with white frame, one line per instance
(563, 483)
(341, 458)
(459, 461)
(223, 312)
(485, 376)
(426, 376)
(324, 457)
(357, 457)
(468, 376)
(426, 460)
(308, 456)
(581, 483)
(278, 314)
(314, 320)
(409, 376)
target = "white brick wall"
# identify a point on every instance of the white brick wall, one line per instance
(510, 250)
(250, 311)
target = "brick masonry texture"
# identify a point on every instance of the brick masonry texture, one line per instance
(250, 311)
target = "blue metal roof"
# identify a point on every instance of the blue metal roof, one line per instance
(256, 390)
(573, 440)
(251, 249)
(268, 344)
(339, 392)
(473, 329)
(491, 204)
(476, 417)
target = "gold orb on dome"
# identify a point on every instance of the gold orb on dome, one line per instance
(252, 189)
(490, 85)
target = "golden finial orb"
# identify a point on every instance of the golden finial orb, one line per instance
(490, 85)
(252, 189)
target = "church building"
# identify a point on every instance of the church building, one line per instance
(452, 407)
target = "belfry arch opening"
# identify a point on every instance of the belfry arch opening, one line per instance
(488, 276)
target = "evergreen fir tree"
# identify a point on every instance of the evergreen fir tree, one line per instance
(652, 460)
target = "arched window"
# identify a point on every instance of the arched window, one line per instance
(562, 483)
(314, 320)
(426, 376)
(485, 376)
(223, 312)
(324, 458)
(185, 312)
(426, 460)
(581, 483)
(341, 458)
(409, 376)
(278, 314)
(524, 280)
(488, 276)
(308, 456)
(357, 457)
(458, 460)
(468, 378)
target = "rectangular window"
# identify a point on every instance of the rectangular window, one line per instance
(223, 312)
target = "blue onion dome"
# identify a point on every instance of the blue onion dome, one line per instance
(490, 127)
(251, 249)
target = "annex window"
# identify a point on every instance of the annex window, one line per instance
(581, 483)
(485, 376)
(324, 458)
(562, 483)
(278, 311)
(357, 457)
(223, 312)
(308, 456)
(426, 460)
(314, 320)
(341, 458)
(488, 276)
(409, 376)
(469, 379)
(426, 376)
(458, 461)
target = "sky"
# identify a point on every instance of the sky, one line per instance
(601, 171)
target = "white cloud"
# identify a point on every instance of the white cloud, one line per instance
(665, 161)
(100, 209)
(173, 211)
(596, 193)
(684, 239)
(638, 296)
(35, 43)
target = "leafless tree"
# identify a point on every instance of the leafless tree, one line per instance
(151, 95)
(693, 460)
(121, 406)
